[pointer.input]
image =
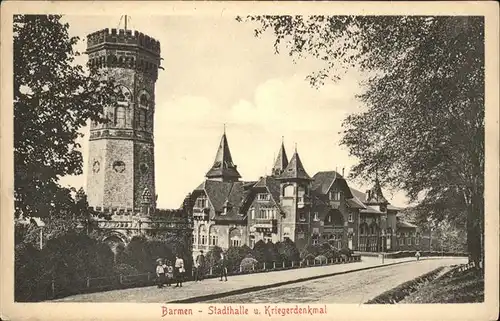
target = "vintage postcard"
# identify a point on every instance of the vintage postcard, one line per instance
(254, 160)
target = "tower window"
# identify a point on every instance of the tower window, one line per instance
(142, 119)
(119, 166)
(144, 101)
(144, 168)
(289, 191)
(120, 116)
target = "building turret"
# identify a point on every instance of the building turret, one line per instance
(281, 161)
(295, 171)
(223, 168)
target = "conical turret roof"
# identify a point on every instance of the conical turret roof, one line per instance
(281, 161)
(295, 169)
(223, 166)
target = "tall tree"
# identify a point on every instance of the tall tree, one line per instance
(53, 99)
(423, 125)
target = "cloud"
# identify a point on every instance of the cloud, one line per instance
(291, 104)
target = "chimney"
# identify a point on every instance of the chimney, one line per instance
(343, 171)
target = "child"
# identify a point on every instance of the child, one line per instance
(160, 274)
(169, 272)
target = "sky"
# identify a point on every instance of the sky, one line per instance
(216, 72)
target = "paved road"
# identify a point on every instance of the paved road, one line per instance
(355, 287)
(212, 286)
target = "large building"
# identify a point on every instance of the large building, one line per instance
(121, 178)
(291, 204)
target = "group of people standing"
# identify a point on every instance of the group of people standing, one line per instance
(166, 273)
(199, 267)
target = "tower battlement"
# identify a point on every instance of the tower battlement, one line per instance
(124, 37)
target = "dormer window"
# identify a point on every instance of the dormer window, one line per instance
(335, 196)
(201, 202)
(316, 216)
(263, 197)
(227, 207)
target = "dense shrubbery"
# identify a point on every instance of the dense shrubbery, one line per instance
(326, 250)
(235, 255)
(125, 269)
(66, 261)
(142, 253)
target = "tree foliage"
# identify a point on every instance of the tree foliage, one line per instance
(53, 99)
(422, 128)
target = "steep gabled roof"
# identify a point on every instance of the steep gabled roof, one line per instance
(323, 181)
(370, 210)
(230, 195)
(281, 161)
(295, 169)
(355, 203)
(223, 166)
(363, 197)
(272, 186)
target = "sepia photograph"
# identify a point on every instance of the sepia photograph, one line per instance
(250, 163)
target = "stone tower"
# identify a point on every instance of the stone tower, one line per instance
(121, 151)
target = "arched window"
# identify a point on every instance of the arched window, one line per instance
(288, 191)
(144, 101)
(235, 237)
(123, 94)
(120, 116)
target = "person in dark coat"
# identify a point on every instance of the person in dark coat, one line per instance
(223, 266)
(199, 267)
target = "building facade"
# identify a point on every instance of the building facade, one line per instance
(291, 204)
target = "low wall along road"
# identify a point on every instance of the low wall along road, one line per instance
(212, 289)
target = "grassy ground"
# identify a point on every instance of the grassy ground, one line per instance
(452, 287)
